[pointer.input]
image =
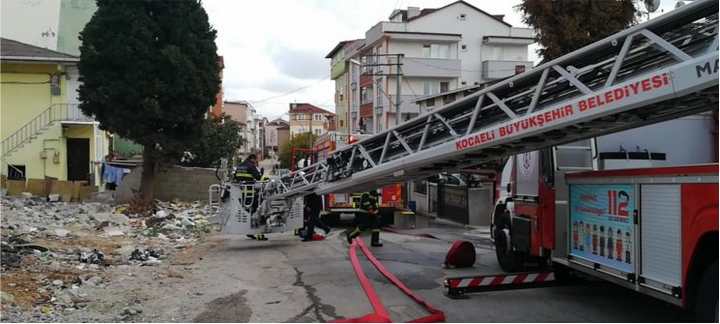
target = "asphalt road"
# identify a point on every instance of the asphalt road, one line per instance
(285, 280)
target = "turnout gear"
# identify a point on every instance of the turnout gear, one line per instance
(369, 219)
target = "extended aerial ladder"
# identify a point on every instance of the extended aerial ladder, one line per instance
(659, 70)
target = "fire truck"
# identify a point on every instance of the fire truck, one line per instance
(651, 229)
(664, 217)
(345, 206)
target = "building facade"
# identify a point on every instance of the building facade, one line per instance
(244, 113)
(44, 133)
(307, 118)
(423, 52)
(277, 135)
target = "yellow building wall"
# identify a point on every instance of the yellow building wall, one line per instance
(25, 93)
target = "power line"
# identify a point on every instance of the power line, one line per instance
(254, 102)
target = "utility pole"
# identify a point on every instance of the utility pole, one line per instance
(398, 75)
(397, 93)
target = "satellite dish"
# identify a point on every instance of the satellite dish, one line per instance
(652, 5)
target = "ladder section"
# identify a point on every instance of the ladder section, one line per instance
(659, 70)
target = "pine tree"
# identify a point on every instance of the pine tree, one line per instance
(149, 73)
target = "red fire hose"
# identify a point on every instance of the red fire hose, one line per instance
(380, 314)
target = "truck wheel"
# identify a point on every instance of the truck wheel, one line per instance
(706, 300)
(509, 260)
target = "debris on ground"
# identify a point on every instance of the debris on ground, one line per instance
(55, 254)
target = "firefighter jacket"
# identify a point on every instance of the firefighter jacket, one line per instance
(247, 172)
(369, 203)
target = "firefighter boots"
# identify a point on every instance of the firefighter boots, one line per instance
(375, 238)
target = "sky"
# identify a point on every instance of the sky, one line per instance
(274, 50)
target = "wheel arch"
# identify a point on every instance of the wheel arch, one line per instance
(704, 254)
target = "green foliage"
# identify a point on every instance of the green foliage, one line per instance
(303, 141)
(149, 71)
(563, 26)
(220, 139)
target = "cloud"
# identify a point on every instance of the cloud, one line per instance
(299, 63)
(273, 47)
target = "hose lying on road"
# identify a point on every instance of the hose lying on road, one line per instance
(380, 314)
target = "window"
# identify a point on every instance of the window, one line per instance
(16, 172)
(444, 86)
(441, 51)
(317, 131)
(426, 50)
(420, 186)
(317, 117)
(341, 123)
(55, 85)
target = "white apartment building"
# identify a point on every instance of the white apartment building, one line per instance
(243, 112)
(455, 46)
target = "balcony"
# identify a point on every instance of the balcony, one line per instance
(497, 69)
(338, 69)
(431, 67)
(366, 80)
(366, 110)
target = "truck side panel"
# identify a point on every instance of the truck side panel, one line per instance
(700, 216)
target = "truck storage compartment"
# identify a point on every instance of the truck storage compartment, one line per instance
(660, 241)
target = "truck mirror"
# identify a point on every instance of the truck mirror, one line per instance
(509, 188)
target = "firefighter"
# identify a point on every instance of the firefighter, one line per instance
(369, 219)
(313, 206)
(247, 173)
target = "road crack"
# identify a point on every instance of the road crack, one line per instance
(316, 305)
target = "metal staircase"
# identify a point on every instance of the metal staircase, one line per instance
(659, 70)
(42, 122)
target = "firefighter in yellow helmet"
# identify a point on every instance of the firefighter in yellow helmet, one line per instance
(369, 219)
(248, 173)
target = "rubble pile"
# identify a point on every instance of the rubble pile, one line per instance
(55, 253)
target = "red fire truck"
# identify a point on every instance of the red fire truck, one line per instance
(650, 229)
(344, 206)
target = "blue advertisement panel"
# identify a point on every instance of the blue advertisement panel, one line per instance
(601, 224)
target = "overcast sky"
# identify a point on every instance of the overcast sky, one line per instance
(275, 47)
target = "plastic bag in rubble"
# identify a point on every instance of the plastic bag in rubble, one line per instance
(94, 257)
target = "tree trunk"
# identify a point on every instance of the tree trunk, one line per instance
(147, 182)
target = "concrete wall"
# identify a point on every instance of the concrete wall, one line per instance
(74, 15)
(186, 184)
(32, 22)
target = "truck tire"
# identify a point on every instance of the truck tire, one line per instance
(509, 260)
(706, 300)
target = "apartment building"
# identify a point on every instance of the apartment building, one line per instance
(305, 118)
(244, 113)
(440, 50)
(277, 135)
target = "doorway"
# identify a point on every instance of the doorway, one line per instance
(78, 159)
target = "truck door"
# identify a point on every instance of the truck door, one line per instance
(571, 157)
